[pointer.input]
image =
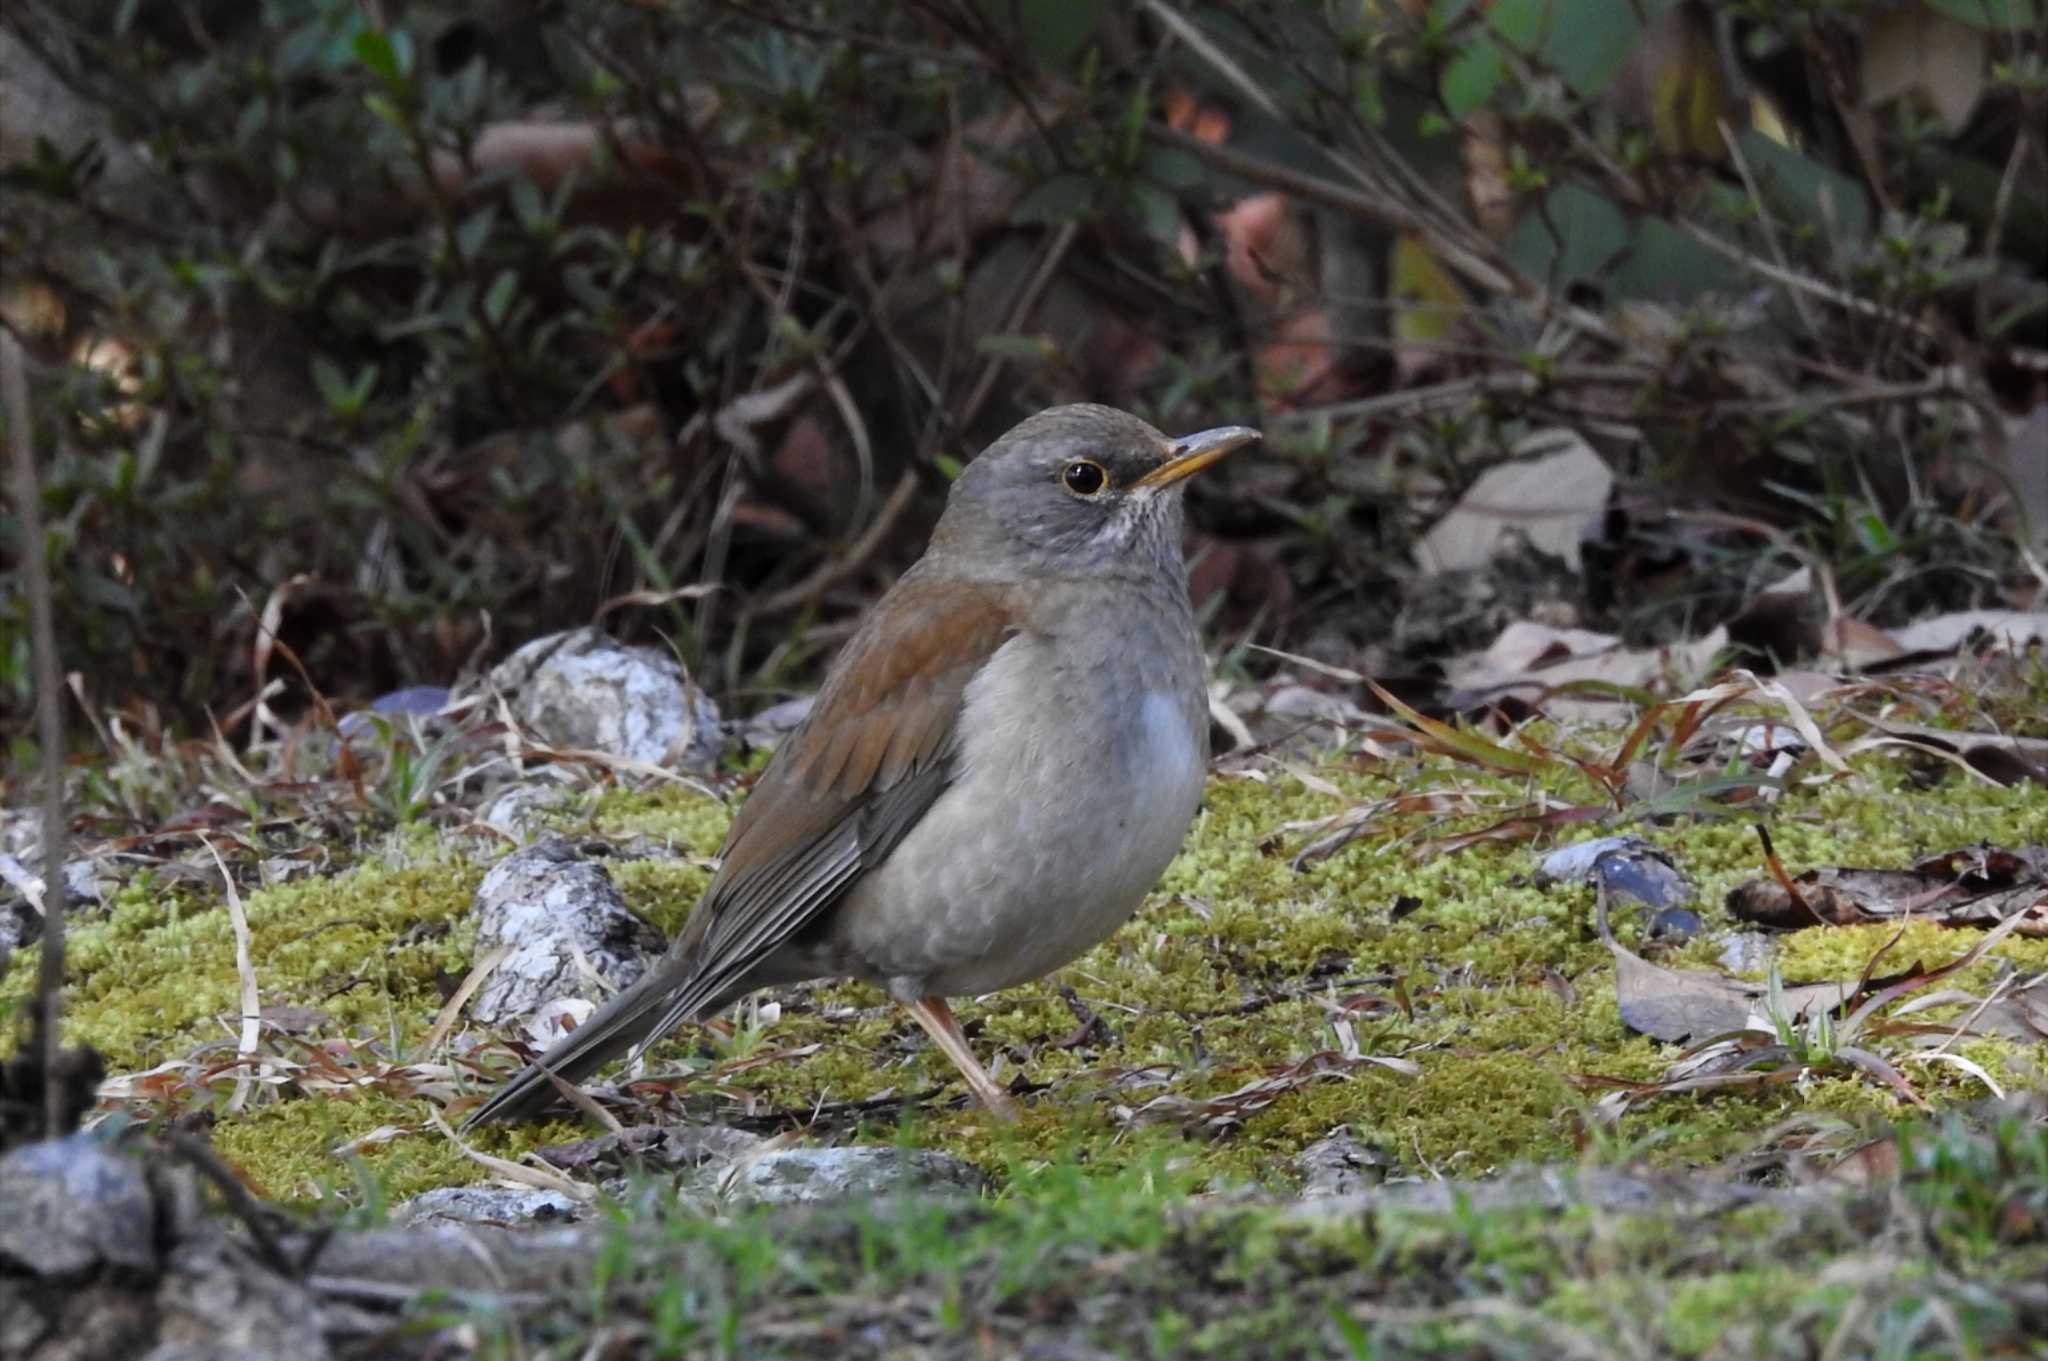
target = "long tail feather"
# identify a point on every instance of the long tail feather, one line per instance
(638, 1015)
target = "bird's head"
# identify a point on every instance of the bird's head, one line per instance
(1078, 491)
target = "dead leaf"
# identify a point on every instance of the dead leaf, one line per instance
(1974, 886)
(1679, 1004)
(1536, 661)
(2012, 629)
(1911, 50)
(1556, 485)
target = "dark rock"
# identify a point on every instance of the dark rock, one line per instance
(1627, 866)
(1676, 925)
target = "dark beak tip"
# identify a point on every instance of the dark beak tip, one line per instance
(1226, 438)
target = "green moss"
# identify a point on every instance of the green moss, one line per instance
(292, 1150)
(678, 815)
(155, 976)
(1238, 968)
(1118, 1260)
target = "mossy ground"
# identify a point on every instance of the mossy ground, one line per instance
(1124, 1263)
(1496, 989)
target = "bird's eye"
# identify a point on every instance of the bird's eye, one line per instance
(1084, 477)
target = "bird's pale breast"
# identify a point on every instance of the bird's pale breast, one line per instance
(1097, 756)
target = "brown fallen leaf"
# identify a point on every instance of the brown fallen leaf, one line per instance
(1972, 886)
(1679, 1004)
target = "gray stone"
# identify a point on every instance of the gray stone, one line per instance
(765, 730)
(1340, 1165)
(800, 1176)
(214, 1303)
(74, 1205)
(1745, 952)
(21, 913)
(561, 915)
(1554, 1188)
(105, 1254)
(499, 1205)
(659, 1147)
(518, 810)
(584, 690)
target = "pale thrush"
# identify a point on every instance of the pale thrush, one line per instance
(998, 767)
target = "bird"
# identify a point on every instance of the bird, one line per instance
(999, 764)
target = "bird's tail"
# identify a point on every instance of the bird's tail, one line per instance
(634, 1016)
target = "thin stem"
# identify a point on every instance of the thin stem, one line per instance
(49, 719)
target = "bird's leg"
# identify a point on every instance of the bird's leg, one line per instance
(937, 1019)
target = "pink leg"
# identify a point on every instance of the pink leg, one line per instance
(937, 1019)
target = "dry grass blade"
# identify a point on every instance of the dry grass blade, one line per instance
(245, 973)
(537, 1175)
(1453, 741)
(445, 1022)
(1915, 982)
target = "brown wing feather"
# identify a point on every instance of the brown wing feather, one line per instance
(873, 754)
(886, 713)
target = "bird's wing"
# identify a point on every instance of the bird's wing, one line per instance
(844, 788)
(838, 795)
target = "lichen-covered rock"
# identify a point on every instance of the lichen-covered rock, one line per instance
(74, 1205)
(105, 1254)
(214, 1302)
(518, 810)
(21, 919)
(497, 1205)
(562, 919)
(792, 1176)
(585, 690)
(1340, 1164)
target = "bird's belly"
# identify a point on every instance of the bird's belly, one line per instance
(1048, 840)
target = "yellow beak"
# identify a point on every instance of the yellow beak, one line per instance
(1186, 457)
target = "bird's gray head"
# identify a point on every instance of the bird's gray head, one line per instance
(1077, 491)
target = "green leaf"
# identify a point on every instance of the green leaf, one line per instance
(498, 302)
(1472, 77)
(386, 55)
(475, 230)
(1805, 193)
(1172, 168)
(1583, 41)
(529, 209)
(1065, 197)
(1666, 265)
(1369, 100)
(1158, 212)
(1588, 41)
(2005, 15)
(384, 109)
(1015, 347)
(1057, 30)
(1577, 235)
(334, 389)
(1873, 533)
(1521, 23)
